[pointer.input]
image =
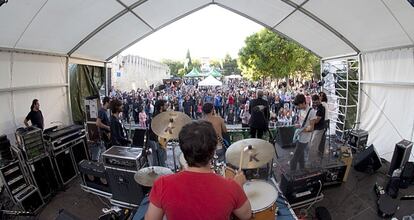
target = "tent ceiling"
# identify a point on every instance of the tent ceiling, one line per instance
(100, 29)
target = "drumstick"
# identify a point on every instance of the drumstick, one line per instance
(241, 160)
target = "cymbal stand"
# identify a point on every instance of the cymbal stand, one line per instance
(173, 145)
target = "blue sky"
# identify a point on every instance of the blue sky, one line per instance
(211, 32)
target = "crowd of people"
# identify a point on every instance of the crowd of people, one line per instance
(231, 101)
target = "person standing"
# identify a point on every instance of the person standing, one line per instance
(319, 128)
(103, 123)
(35, 116)
(159, 154)
(259, 120)
(187, 106)
(118, 133)
(304, 132)
(218, 125)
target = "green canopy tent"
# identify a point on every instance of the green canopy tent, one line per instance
(193, 73)
(215, 73)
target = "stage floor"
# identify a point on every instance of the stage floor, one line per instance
(354, 199)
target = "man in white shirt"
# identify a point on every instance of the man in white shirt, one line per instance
(305, 126)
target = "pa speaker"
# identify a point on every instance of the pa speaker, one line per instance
(401, 155)
(284, 136)
(368, 159)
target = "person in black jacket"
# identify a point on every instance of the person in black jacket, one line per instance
(118, 133)
(259, 120)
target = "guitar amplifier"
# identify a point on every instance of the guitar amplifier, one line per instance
(334, 173)
(300, 187)
(284, 136)
(125, 191)
(124, 158)
(63, 137)
(30, 141)
(358, 139)
(94, 178)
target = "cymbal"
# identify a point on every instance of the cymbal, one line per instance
(257, 152)
(147, 176)
(168, 124)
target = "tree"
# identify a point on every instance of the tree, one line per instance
(214, 63)
(174, 66)
(188, 64)
(196, 64)
(230, 66)
(267, 54)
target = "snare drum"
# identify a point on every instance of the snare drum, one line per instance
(262, 197)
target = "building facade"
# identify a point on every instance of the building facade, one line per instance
(133, 72)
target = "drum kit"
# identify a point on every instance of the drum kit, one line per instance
(243, 155)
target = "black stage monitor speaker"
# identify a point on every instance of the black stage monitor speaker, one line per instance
(284, 136)
(401, 155)
(368, 159)
(80, 151)
(65, 168)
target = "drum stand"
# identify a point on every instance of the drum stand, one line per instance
(173, 145)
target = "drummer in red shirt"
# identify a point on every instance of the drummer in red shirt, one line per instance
(197, 193)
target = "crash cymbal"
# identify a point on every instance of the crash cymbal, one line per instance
(168, 124)
(147, 176)
(256, 153)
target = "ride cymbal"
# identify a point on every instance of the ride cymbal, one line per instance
(256, 153)
(147, 176)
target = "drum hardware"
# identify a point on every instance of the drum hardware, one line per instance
(147, 176)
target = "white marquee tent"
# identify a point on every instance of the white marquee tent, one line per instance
(210, 81)
(40, 37)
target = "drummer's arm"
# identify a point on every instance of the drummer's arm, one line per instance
(223, 127)
(244, 212)
(154, 213)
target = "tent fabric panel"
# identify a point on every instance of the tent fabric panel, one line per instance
(53, 104)
(6, 112)
(403, 11)
(33, 70)
(312, 35)
(367, 24)
(386, 111)
(113, 37)
(62, 24)
(395, 63)
(5, 62)
(14, 18)
(158, 13)
(268, 12)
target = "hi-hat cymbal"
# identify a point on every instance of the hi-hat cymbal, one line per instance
(147, 176)
(256, 153)
(168, 124)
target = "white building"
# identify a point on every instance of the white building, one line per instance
(133, 72)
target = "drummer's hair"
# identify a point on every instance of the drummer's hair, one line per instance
(198, 141)
(115, 106)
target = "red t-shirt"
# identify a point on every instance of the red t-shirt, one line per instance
(194, 196)
(231, 100)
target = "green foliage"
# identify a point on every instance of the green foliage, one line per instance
(230, 66)
(195, 64)
(174, 66)
(267, 54)
(181, 72)
(188, 63)
(214, 63)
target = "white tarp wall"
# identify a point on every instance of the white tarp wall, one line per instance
(387, 98)
(25, 77)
